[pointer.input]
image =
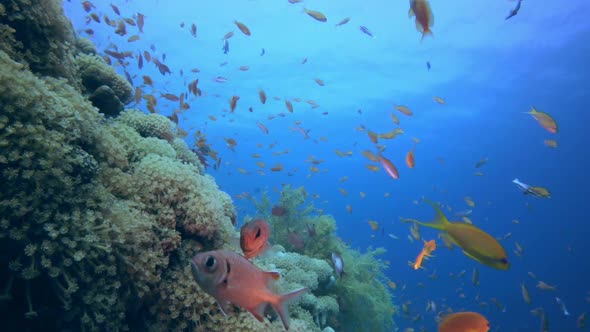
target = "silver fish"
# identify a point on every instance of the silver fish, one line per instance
(338, 263)
(562, 306)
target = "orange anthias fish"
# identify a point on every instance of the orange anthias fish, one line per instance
(474, 242)
(254, 237)
(316, 15)
(232, 279)
(429, 247)
(424, 18)
(464, 322)
(544, 119)
(410, 157)
(243, 28)
(389, 167)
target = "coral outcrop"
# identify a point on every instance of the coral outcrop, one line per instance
(97, 215)
(359, 301)
(102, 208)
(108, 91)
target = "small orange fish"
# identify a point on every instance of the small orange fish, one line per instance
(394, 118)
(115, 9)
(463, 322)
(232, 279)
(148, 80)
(133, 38)
(424, 18)
(429, 247)
(254, 237)
(277, 168)
(410, 157)
(289, 105)
(439, 100)
(372, 136)
(262, 96)
(404, 109)
(243, 68)
(121, 30)
(262, 127)
(319, 81)
(370, 155)
(140, 21)
(343, 22)
(243, 28)
(372, 167)
(87, 5)
(374, 225)
(389, 167)
(233, 102)
(170, 96)
(316, 15)
(544, 119)
(228, 35)
(550, 143)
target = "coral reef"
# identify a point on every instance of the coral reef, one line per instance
(38, 35)
(97, 219)
(101, 208)
(108, 91)
(152, 125)
(359, 301)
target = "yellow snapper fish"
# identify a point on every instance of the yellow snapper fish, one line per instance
(532, 190)
(475, 243)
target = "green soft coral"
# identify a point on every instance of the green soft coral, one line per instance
(362, 299)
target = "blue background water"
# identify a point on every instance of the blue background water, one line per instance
(489, 71)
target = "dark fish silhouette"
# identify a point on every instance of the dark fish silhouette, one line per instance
(366, 31)
(514, 11)
(225, 47)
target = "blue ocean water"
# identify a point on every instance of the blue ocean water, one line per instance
(488, 70)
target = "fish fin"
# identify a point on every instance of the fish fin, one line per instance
(426, 32)
(410, 13)
(440, 221)
(223, 307)
(258, 311)
(473, 257)
(280, 304)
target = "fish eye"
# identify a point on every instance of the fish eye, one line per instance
(258, 233)
(211, 262)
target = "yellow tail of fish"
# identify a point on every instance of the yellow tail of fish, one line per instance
(440, 220)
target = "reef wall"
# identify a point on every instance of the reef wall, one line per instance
(101, 208)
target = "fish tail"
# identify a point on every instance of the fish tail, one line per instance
(426, 32)
(440, 220)
(280, 304)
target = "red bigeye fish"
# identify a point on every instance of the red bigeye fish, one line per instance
(254, 238)
(232, 279)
